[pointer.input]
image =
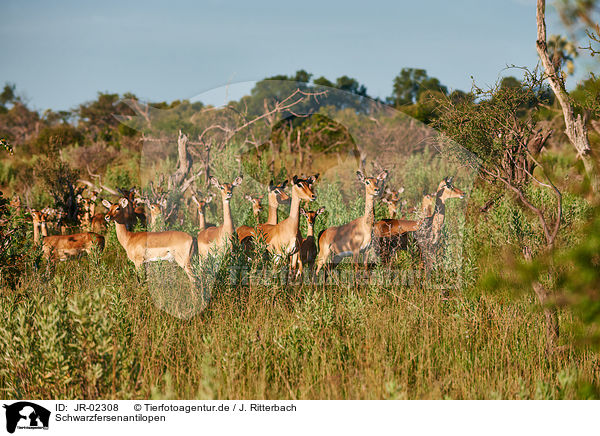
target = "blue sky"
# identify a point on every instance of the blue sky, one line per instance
(60, 54)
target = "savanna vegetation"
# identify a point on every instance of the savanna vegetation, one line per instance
(497, 299)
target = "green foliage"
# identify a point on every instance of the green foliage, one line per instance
(62, 345)
(411, 83)
(16, 252)
(53, 138)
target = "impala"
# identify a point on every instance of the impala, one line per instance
(308, 247)
(430, 228)
(256, 205)
(393, 201)
(392, 234)
(283, 239)
(142, 247)
(133, 212)
(61, 247)
(276, 197)
(201, 203)
(217, 237)
(155, 212)
(353, 238)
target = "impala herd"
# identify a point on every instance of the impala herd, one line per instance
(283, 239)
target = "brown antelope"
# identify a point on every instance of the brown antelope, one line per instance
(430, 228)
(276, 197)
(201, 203)
(256, 205)
(353, 238)
(392, 234)
(308, 247)
(284, 239)
(217, 237)
(134, 212)
(392, 200)
(155, 209)
(143, 247)
(61, 247)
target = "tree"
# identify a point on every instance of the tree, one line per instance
(575, 127)
(409, 85)
(508, 143)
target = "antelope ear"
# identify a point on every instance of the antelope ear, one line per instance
(237, 181)
(284, 184)
(313, 179)
(208, 199)
(123, 202)
(247, 197)
(107, 204)
(382, 175)
(302, 211)
(271, 185)
(360, 176)
(321, 210)
(401, 190)
(213, 180)
(295, 179)
(385, 200)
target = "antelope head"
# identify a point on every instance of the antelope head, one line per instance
(303, 188)
(311, 216)
(201, 202)
(278, 191)
(256, 203)
(226, 188)
(373, 185)
(449, 190)
(116, 212)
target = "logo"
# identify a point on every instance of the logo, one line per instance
(26, 415)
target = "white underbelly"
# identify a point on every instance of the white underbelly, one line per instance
(169, 257)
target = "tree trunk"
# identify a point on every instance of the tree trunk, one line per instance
(574, 126)
(184, 162)
(550, 312)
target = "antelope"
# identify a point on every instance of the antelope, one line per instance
(430, 228)
(256, 206)
(201, 203)
(155, 212)
(276, 196)
(61, 247)
(353, 238)
(217, 237)
(392, 233)
(308, 247)
(393, 201)
(134, 212)
(284, 239)
(143, 247)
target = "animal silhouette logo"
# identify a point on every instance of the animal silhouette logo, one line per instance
(26, 415)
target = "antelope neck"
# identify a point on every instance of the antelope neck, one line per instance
(369, 215)
(201, 219)
(272, 216)
(227, 220)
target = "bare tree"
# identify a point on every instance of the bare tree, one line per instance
(575, 127)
